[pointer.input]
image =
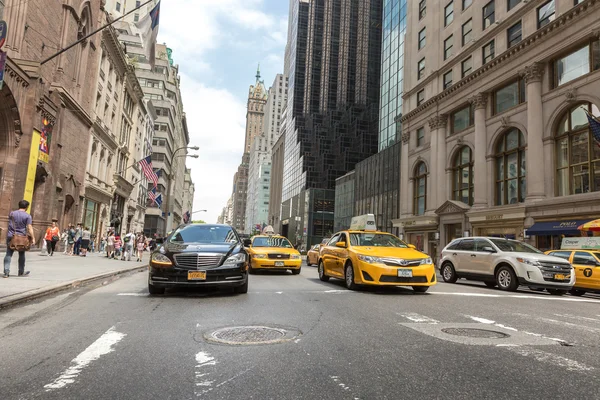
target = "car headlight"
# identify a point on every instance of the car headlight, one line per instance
(259, 256)
(529, 261)
(369, 259)
(235, 259)
(295, 256)
(160, 260)
(426, 261)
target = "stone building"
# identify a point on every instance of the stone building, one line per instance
(46, 109)
(495, 140)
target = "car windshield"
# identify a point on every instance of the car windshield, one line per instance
(514, 246)
(376, 240)
(204, 234)
(271, 242)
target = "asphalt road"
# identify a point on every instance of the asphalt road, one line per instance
(113, 341)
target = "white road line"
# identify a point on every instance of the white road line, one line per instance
(133, 294)
(203, 385)
(482, 320)
(549, 358)
(510, 328)
(342, 385)
(418, 318)
(577, 317)
(516, 296)
(569, 324)
(103, 345)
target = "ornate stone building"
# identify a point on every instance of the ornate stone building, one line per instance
(495, 138)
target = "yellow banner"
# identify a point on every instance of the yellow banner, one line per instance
(31, 169)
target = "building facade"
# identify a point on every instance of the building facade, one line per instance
(495, 138)
(344, 201)
(276, 183)
(259, 167)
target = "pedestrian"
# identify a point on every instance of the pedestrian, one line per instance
(52, 237)
(65, 240)
(110, 245)
(18, 237)
(128, 243)
(140, 244)
(85, 241)
(102, 244)
(93, 242)
(118, 245)
(71, 239)
(77, 240)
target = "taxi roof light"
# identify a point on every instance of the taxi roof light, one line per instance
(365, 222)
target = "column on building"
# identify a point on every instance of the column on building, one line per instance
(437, 176)
(479, 103)
(535, 166)
(405, 176)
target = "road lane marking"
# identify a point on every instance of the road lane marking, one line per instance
(134, 294)
(577, 317)
(342, 385)
(518, 296)
(102, 346)
(203, 385)
(510, 328)
(414, 317)
(549, 358)
(569, 324)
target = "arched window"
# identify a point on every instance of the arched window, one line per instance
(420, 200)
(511, 185)
(577, 154)
(462, 172)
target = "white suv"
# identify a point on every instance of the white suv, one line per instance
(506, 263)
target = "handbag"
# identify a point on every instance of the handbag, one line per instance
(55, 238)
(19, 242)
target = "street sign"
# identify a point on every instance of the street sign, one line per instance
(3, 30)
(2, 64)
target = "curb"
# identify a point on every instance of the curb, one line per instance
(13, 299)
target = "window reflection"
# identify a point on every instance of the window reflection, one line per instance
(511, 184)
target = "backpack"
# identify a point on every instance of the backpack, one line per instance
(127, 239)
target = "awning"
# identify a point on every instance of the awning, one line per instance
(568, 227)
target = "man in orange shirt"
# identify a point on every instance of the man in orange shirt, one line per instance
(52, 236)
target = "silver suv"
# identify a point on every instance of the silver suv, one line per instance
(506, 263)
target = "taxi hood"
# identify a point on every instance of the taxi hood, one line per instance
(267, 250)
(395, 252)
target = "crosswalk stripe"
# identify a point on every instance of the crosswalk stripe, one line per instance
(414, 317)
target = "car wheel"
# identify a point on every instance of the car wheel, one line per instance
(241, 289)
(490, 284)
(321, 269)
(557, 292)
(577, 292)
(506, 279)
(448, 273)
(308, 263)
(296, 271)
(155, 290)
(251, 270)
(349, 275)
(420, 289)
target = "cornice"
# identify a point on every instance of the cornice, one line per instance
(72, 104)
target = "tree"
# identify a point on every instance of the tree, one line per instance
(199, 221)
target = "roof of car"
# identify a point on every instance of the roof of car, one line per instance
(268, 236)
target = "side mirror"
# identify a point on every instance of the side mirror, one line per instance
(247, 242)
(341, 244)
(489, 249)
(412, 246)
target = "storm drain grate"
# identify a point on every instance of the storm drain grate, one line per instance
(251, 335)
(475, 333)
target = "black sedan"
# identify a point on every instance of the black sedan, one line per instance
(199, 255)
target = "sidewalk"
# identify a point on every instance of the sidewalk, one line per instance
(59, 272)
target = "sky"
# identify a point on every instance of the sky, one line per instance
(218, 45)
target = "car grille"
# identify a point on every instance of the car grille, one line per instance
(390, 262)
(279, 256)
(397, 279)
(555, 268)
(195, 261)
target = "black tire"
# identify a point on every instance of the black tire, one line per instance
(577, 292)
(251, 270)
(507, 279)
(490, 284)
(557, 292)
(349, 277)
(321, 269)
(296, 271)
(241, 289)
(420, 289)
(155, 290)
(448, 273)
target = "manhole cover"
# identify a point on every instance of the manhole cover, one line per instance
(250, 335)
(475, 333)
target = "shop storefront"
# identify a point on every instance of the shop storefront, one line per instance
(421, 231)
(507, 222)
(549, 234)
(452, 221)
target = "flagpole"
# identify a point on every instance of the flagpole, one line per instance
(93, 33)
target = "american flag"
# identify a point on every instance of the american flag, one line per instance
(152, 195)
(146, 164)
(594, 126)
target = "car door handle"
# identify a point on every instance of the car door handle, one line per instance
(473, 255)
(454, 254)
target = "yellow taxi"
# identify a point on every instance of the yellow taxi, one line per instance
(364, 256)
(587, 268)
(273, 252)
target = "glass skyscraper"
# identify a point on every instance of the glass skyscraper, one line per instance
(392, 72)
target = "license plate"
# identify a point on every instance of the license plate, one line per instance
(562, 277)
(405, 273)
(196, 275)
(279, 263)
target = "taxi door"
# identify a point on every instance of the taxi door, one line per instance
(587, 270)
(328, 255)
(341, 254)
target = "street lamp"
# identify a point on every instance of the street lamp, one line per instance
(171, 176)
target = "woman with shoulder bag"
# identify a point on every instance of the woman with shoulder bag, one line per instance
(52, 236)
(19, 237)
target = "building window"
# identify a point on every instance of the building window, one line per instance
(420, 199)
(420, 136)
(467, 32)
(546, 14)
(488, 52)
(466, 67)
(462, 172)
(576, 64)
(511, 184)
(422, 9)
(448, 45)
(420, 97)
(449, 13)
(508, 96)
(514, 34)
(422, 40)
(577, 153)
(448, 79)
(489, 14)
(136, 17)
(421, 68)
(118, 6)
(512, 4)
(578, 1)
(466, 4)
(462, 119)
